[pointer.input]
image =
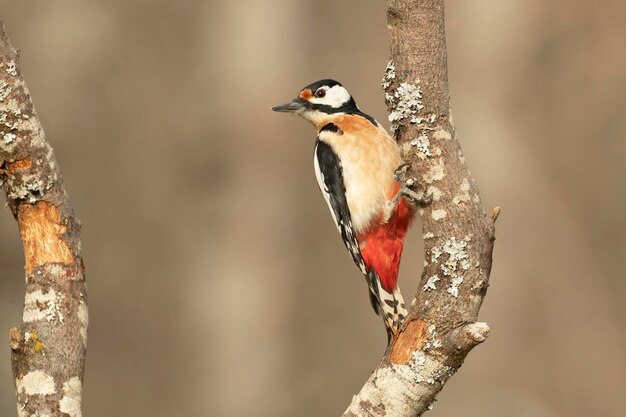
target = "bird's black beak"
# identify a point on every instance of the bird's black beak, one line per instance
(294, 106)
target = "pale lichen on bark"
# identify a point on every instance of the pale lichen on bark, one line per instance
(48, 349)
(458, 236)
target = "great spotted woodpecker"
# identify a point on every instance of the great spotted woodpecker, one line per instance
(360, 173)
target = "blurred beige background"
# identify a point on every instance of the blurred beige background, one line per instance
(217, 283)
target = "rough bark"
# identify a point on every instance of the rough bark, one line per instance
(48, 349)
(458, 236)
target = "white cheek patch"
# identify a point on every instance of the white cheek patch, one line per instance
(335, 97)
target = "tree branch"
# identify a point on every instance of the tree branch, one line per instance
(458, 236)
(48, 350)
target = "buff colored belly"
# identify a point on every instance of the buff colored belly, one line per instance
(368, 177)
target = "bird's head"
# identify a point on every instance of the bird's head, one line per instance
(319, 100)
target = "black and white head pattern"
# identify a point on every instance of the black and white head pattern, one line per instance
(329, 97)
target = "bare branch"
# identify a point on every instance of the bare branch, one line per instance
(48, 350)
(458, 235)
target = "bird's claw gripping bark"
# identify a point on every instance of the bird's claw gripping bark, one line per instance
(406, 185)
(400, 172)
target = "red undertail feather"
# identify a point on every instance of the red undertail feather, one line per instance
(382, 246)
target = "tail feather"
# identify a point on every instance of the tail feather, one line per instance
(372, 282)
(389, 305)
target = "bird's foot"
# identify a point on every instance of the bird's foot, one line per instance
(406, 187)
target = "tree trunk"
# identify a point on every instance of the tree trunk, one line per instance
(458, 237)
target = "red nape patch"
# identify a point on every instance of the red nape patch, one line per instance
(382, 248)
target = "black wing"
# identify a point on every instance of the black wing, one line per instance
(330, 180)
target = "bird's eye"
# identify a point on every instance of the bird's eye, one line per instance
(320, 93)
